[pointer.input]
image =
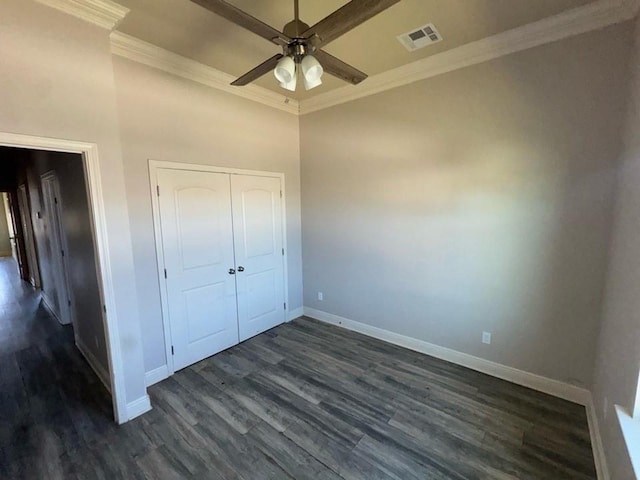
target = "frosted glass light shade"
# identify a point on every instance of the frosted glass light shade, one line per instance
(285, 70)
(290, 85)
(308, 85)
(311, 69)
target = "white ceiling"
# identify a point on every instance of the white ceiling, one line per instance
(185, 28)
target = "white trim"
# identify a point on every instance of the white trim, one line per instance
(550, 386)
(630, 428)
(48, 305)
(154, 166)
(599, 14)
(104, 13)
(91, 162)
(293, 314)
(157, 235)
(93, 362)
(138, 407)
(156, 375)
(597, 447)
(148, 54)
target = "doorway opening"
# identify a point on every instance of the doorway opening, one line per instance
(52, 325)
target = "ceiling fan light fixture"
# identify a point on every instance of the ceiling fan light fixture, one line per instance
(291, 84)
(285, 71)
(309, 84)
(311, 69)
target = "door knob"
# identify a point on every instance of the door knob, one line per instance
(241, 269)
(231, 271)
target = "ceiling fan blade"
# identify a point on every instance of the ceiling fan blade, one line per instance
(257, 72)
(237, 16)
(346, 18)
(338, 68)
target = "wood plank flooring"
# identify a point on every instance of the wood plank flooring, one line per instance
(302, 401)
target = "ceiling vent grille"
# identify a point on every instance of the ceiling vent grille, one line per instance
(420, 37)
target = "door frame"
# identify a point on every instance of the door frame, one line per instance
(91, 164)
(154, 166)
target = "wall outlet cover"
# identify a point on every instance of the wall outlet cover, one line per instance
(486, 338)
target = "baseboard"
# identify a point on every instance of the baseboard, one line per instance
(46, 303)
(296, 313)
(597, 446)
(550, 386)
(93, 362)
(6, 253)
(138, 407)
(156, 375)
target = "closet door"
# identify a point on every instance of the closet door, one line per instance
(257, 233)
(197, 244)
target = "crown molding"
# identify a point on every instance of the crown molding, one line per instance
(596, 15)
(104, 13)
(148, 54)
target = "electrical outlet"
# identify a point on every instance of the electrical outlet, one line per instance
(486, 338)
(320, 296)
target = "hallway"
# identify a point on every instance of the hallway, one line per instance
(51, 402)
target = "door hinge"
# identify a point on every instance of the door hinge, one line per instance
(55, 200)
(158, 190)
(62, 252)
(280, 193)
(69, 302)
(283, 252)
(285, 306)
(104, 307)
(165, 273)
(172, 352)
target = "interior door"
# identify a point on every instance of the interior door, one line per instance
(58, 288)
(27, 229)
(15, 233)
(257, 232)
(197, 244)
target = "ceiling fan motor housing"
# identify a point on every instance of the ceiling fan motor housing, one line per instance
(299, 47)
(294, 29)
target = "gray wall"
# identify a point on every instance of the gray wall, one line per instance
(76, 222)
(5, 242)
(163, 117)
(61, 86)
(479, 200)
(618, 359)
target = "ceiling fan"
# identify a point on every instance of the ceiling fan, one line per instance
(302, 44)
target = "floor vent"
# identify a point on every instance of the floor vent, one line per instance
(420, 37)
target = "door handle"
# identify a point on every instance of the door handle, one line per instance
(241, 269)
(231, 271)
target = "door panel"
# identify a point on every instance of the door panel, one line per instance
(257, 231)
(197, 240)
(57, 290)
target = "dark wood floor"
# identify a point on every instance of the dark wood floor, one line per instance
(304, 400)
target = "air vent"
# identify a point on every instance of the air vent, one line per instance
(420, 37)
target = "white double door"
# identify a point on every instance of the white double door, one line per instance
(223, 258)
